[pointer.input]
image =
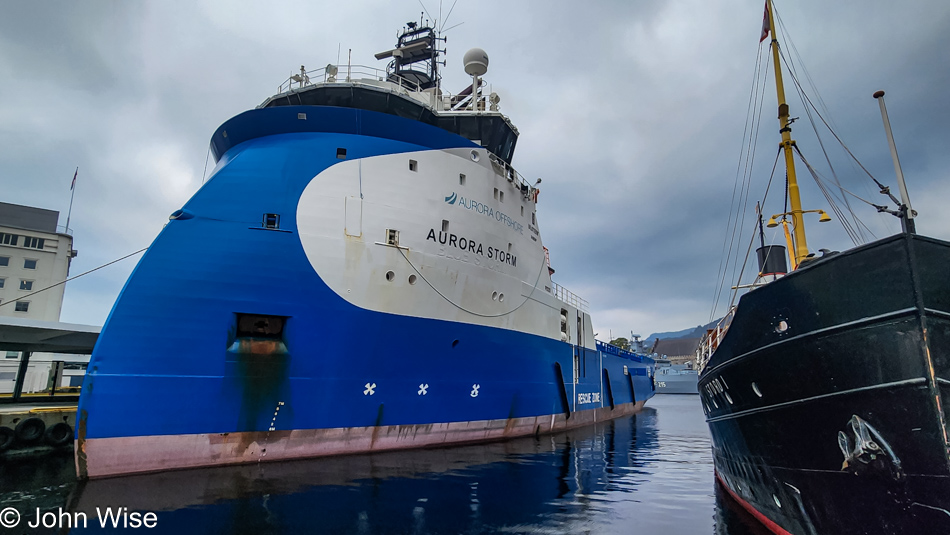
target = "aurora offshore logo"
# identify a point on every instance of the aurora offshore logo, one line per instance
(486, 210)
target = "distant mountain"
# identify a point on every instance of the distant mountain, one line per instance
(694, 332)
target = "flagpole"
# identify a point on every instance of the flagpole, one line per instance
(72, 189)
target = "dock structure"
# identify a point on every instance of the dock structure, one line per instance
(38, 413)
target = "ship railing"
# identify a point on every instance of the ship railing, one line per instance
(619, 351)
(339, 73)
(569, 297)
(354, 73)
(712, 338)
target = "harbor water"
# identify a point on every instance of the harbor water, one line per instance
(650, 473)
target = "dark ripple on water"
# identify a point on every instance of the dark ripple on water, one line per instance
(651, 473)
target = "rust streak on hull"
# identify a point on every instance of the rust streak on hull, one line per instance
(107, 457)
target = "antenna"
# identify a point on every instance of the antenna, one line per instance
(906, 212)
(442, 29)
(424, 10)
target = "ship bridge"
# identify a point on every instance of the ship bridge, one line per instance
(409, 87)
(372, 89)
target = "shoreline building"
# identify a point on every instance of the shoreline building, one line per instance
(35, 253)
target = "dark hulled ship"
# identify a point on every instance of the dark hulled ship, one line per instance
(826, 388)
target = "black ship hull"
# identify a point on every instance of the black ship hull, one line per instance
(827, 397)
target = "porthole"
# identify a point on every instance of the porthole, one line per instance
(474, 155)
(494, 296)
(755, 388)
(412, 279)
(501, 298)
(781, 327)
(390, 276)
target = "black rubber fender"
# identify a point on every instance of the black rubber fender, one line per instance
(30, 430)
(58, 434)
(7, 438)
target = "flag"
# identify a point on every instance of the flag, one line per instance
(73, 185)
(765, 23)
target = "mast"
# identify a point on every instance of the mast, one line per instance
(794, 199)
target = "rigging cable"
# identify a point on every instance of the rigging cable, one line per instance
(735, 291)
(750, 163)
(752, 123)
(835, 135)
(819, 181)
(75, 277)
(879, 208)
(853, 230)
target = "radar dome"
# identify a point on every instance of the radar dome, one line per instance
(476, 62)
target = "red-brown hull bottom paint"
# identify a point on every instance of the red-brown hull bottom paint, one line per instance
(764, 520)
(105, 457)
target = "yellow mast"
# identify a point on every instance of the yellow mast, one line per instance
(794, 199)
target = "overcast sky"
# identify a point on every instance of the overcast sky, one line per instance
(631, 111)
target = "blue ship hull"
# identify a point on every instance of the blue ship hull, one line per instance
(169, 387)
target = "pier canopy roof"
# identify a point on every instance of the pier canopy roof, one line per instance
(18, 334)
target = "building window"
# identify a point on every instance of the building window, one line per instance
(26, 285)
(29, 264)
(1, 282)
(4, 260)
(33, 243)
(9, 239)
(22, 306)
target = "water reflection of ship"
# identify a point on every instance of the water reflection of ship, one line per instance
(523, 481)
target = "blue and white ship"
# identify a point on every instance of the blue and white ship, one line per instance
(363, 271)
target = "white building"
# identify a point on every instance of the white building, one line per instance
(33, 255)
